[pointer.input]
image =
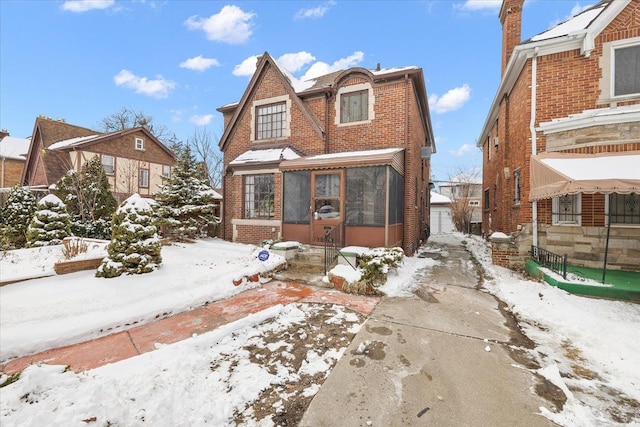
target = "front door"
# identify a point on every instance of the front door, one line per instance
(326, 202)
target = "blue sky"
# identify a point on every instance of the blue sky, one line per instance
(180, 60)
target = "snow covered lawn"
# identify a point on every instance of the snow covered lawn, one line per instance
(55, 311)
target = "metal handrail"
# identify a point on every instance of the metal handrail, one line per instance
(333, 242)
(554, 262)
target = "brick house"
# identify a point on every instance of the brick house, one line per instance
(349, 149)
(561, 142)
(13, 153)
(133, 159)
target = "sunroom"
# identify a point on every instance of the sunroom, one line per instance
(360, 193)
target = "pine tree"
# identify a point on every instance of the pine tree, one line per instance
(186, 202)
(88, 199)
(16, 215)
(135, 246)
(50, 223)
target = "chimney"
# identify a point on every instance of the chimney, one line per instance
(511, 20)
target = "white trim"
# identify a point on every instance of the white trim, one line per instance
(555, 207)
(350, 89)
(256, 172)
(595, 117)
(260, 222)
(286, 133)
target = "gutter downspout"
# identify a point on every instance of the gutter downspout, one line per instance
(534, 146)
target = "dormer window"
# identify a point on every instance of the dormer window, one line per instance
(271, 118)
(140, 144)
(354, 104)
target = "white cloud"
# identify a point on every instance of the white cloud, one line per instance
(316, 12)
(201, 120)
(246, 67)
(158, 88)
(199, 63)
(231, 25)
(464, 149)
(450, 101)
(293, 62)
(80, 6)
(322, 68)
(479, 5)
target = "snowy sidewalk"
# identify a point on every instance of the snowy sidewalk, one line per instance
(141, 339)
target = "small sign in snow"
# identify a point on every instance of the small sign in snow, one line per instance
(263, 255)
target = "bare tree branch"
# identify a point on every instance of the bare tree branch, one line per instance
(205, 147)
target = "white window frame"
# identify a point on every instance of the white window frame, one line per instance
(166, 171)
(143, 178)
(355, 88)
(106, 166)
(286, 133)
(555, 207)
(139, 144)
(607, 65)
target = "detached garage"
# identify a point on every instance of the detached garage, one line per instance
(441, 221)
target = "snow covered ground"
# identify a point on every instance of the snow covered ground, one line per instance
(590, 348)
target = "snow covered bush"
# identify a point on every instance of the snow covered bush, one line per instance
(135, 246)
(374, 265)
(186, 202)
(50, 223)
(16, 215)
(89, 200)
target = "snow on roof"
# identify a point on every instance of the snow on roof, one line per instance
(383, 71)
(353, 153)
(51, 198)
(298, 85)
(572, 25)
(268, 155)
(597, 167)
(438, 198)
(14, 148)
(214, 193)
(71, 142)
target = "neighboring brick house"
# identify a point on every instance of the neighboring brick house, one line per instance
(350, 149)
(561, 142)
(13, 152)
(134, 160)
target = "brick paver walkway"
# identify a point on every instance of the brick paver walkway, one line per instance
(141, 339)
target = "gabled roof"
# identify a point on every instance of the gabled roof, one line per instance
(325, 84)
(438, 199)
(578, 32)
(265, 61)
(14, 148)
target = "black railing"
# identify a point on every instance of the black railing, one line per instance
(333, 242)
(554, 262)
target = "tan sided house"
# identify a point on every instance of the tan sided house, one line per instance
(134, 160)
(13, 153)
(561, 142)
(348, 151)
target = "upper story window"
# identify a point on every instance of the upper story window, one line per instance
(271, 118)
(166, 171)
(354, 104)
(620, 65)
(567, 210)
(139, 144)
(626, 66)
(271, 121)
(108, 164)
(517, 192)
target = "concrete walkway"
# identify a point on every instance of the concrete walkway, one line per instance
(141, 339)
(438, 359)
